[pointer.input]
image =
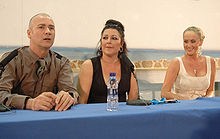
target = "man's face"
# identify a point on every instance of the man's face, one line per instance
(41, 32)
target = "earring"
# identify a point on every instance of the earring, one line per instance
(100, 49)
(121, 49)
(200, 51)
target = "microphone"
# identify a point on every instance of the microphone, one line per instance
(130, 65)
(128, 62)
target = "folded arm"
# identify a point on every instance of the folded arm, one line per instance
(171, 75)
(68, 95)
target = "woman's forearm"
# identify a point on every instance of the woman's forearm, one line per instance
(172, 95)
(210, 93)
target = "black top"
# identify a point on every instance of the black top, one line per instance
(98, 91)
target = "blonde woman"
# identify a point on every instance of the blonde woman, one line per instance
(192, 74)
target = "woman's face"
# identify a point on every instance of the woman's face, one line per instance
(111, 42)
(191, 42)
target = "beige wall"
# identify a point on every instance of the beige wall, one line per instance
(148, 23)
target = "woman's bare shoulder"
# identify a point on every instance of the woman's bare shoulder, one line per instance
(87, 63)
(175, 61)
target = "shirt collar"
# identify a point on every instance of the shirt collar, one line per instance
(33, 57)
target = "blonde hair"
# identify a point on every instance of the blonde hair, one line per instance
(197, 30)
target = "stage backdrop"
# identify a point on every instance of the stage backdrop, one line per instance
(148, 23)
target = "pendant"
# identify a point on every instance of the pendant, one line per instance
(194, 71)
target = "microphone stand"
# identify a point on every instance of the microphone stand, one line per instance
(138, 101)
(132, 71)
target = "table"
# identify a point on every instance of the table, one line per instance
(198, 118)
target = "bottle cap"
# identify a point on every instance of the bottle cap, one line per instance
(112, 74)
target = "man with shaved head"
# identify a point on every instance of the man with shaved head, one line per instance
(38, 78)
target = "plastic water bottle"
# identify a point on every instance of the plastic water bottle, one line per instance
(112, 93)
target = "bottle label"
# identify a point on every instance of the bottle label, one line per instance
(112, 94)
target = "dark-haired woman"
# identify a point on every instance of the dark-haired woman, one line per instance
(94, 72)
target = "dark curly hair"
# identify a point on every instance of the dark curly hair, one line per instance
(113, 24)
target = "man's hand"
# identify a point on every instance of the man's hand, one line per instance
(45, 101)
(63, 101)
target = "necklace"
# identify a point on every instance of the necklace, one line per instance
(114, 61)
(194, 71)
(195, 65)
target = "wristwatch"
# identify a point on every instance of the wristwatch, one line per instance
(75, 95)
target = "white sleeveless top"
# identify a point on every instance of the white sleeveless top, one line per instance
(187, 84)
